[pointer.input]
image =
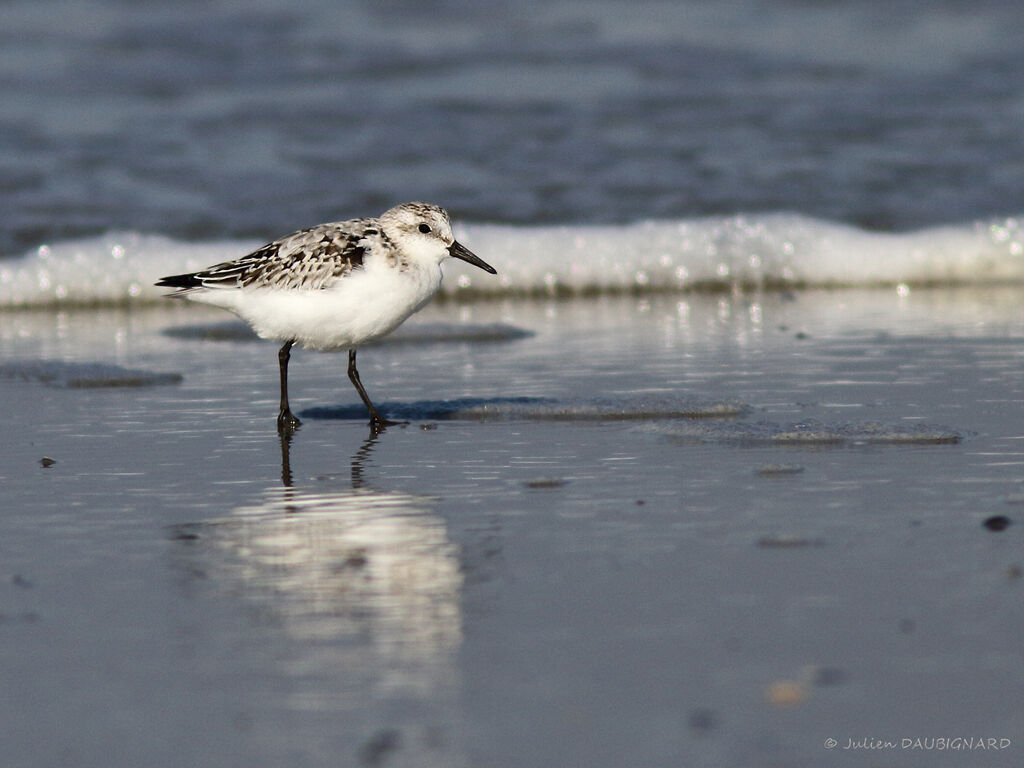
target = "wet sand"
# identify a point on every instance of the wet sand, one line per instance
(707, 530)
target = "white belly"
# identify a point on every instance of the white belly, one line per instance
(364, 306)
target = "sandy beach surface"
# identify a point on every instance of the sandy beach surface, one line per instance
(706, 530)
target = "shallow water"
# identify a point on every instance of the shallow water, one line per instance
(624, 584)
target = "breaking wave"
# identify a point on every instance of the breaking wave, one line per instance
(764, 251)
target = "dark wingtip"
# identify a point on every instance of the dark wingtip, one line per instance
(178, 281)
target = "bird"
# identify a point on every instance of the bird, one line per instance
(334, 286)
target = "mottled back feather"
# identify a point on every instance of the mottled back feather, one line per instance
(318, 257)
(312, 259)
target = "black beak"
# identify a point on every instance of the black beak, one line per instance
(459, 251)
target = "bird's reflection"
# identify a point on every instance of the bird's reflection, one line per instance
(358, 460)
(372, 571)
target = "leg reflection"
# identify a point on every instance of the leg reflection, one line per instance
(286, 458)
(357, 466)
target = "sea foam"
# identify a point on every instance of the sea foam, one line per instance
(769, 251)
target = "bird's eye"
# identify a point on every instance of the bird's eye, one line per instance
(424, 228)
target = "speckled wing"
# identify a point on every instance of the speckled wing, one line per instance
(312, 259)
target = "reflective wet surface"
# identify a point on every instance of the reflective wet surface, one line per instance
(712, 531)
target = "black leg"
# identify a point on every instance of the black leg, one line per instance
(377, 422)
(286, 422)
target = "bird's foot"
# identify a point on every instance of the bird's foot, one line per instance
(287, 423)
(378, 423)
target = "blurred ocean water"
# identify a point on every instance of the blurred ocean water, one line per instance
(243, 120)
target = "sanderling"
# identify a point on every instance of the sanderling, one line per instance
(334, 286)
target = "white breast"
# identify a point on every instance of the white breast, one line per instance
(367, 304)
